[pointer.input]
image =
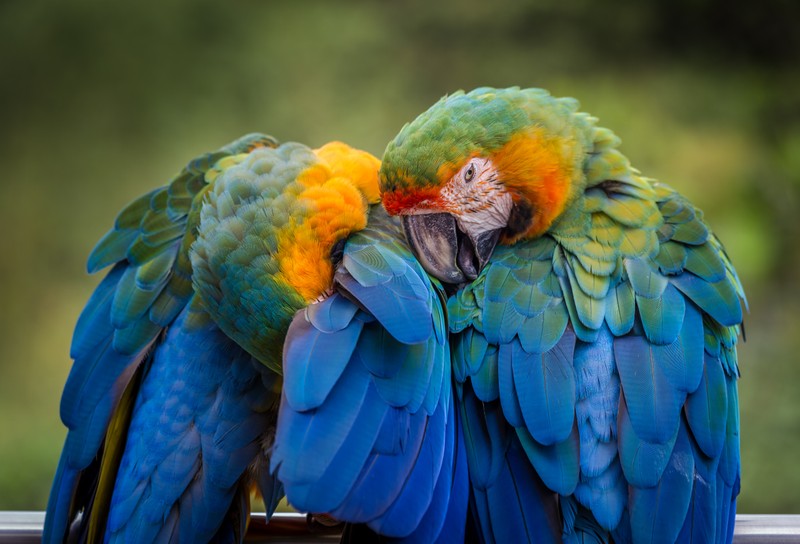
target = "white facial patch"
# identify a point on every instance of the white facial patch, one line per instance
(494, 216)
(481, 200)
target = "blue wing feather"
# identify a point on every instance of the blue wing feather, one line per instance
(643, 462)
(485, 437)
(376, 488)
(378, 448)
(521, 507)
(545, 387)
(193, 434)
(452, 526)
(657, 513)
(653, 402)
(406, 512)
(700, 524)
(556, 464)
(309, 381)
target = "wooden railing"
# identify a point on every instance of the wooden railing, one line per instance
(26, 527)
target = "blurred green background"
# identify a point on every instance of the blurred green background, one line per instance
(100, 102)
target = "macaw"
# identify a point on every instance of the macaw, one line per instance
(594, 321)
(261, 274)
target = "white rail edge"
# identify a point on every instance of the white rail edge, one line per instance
(23, 527)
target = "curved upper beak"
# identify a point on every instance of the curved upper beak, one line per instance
(444, 250)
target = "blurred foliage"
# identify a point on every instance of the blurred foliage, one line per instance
(101, 101)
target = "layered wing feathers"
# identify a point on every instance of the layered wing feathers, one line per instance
(117, 331)
(376, 442)
(622, 324)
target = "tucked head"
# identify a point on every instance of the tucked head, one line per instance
(486, 166)
(270, 232)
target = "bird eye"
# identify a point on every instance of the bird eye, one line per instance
(469, 173)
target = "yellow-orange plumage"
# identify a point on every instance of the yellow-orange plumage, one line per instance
(540, 168)
(337, 191)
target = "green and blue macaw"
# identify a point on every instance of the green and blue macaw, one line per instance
(262, 275)
(594, 321)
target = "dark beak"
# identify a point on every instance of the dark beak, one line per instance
(444, 251)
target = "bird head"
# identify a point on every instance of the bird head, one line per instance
(270, 234)
(480, 168)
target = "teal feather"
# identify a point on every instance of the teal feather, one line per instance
(653, 402)
(369, 266)
(509, 399)
(584, 333)
(139, 288)
(112, 248)
(644, 280)
(557, 464)
(153, 275)
(475, 348)
(531, 272)
(707, 409)
(643, 462)
(719, 299)
(529, 301)
(671, 258)
(541, 332)
(665, 232)
(158, 238)
(685, 214)
(671, 207)
(485, 380)
(545, 387)
(729, 462)
(592, 283)
(590, 311)
(704, 261)
(332, 314)
(662, 317)
(142, 250)
(155, 221)
(501, 321)
(438, 392)
(173, 297)
(551, 285)
(692, 232)
(462, 310)
(131, 217)
(620, 309)
(133, 338)
(597, 266)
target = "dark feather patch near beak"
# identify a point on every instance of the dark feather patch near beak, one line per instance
(521, 217)
(444, 250)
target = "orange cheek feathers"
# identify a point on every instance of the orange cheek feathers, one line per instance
(534, 168)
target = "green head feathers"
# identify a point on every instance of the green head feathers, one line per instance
(480, 122)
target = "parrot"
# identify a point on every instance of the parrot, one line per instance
(594, 319)
(264, 274)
